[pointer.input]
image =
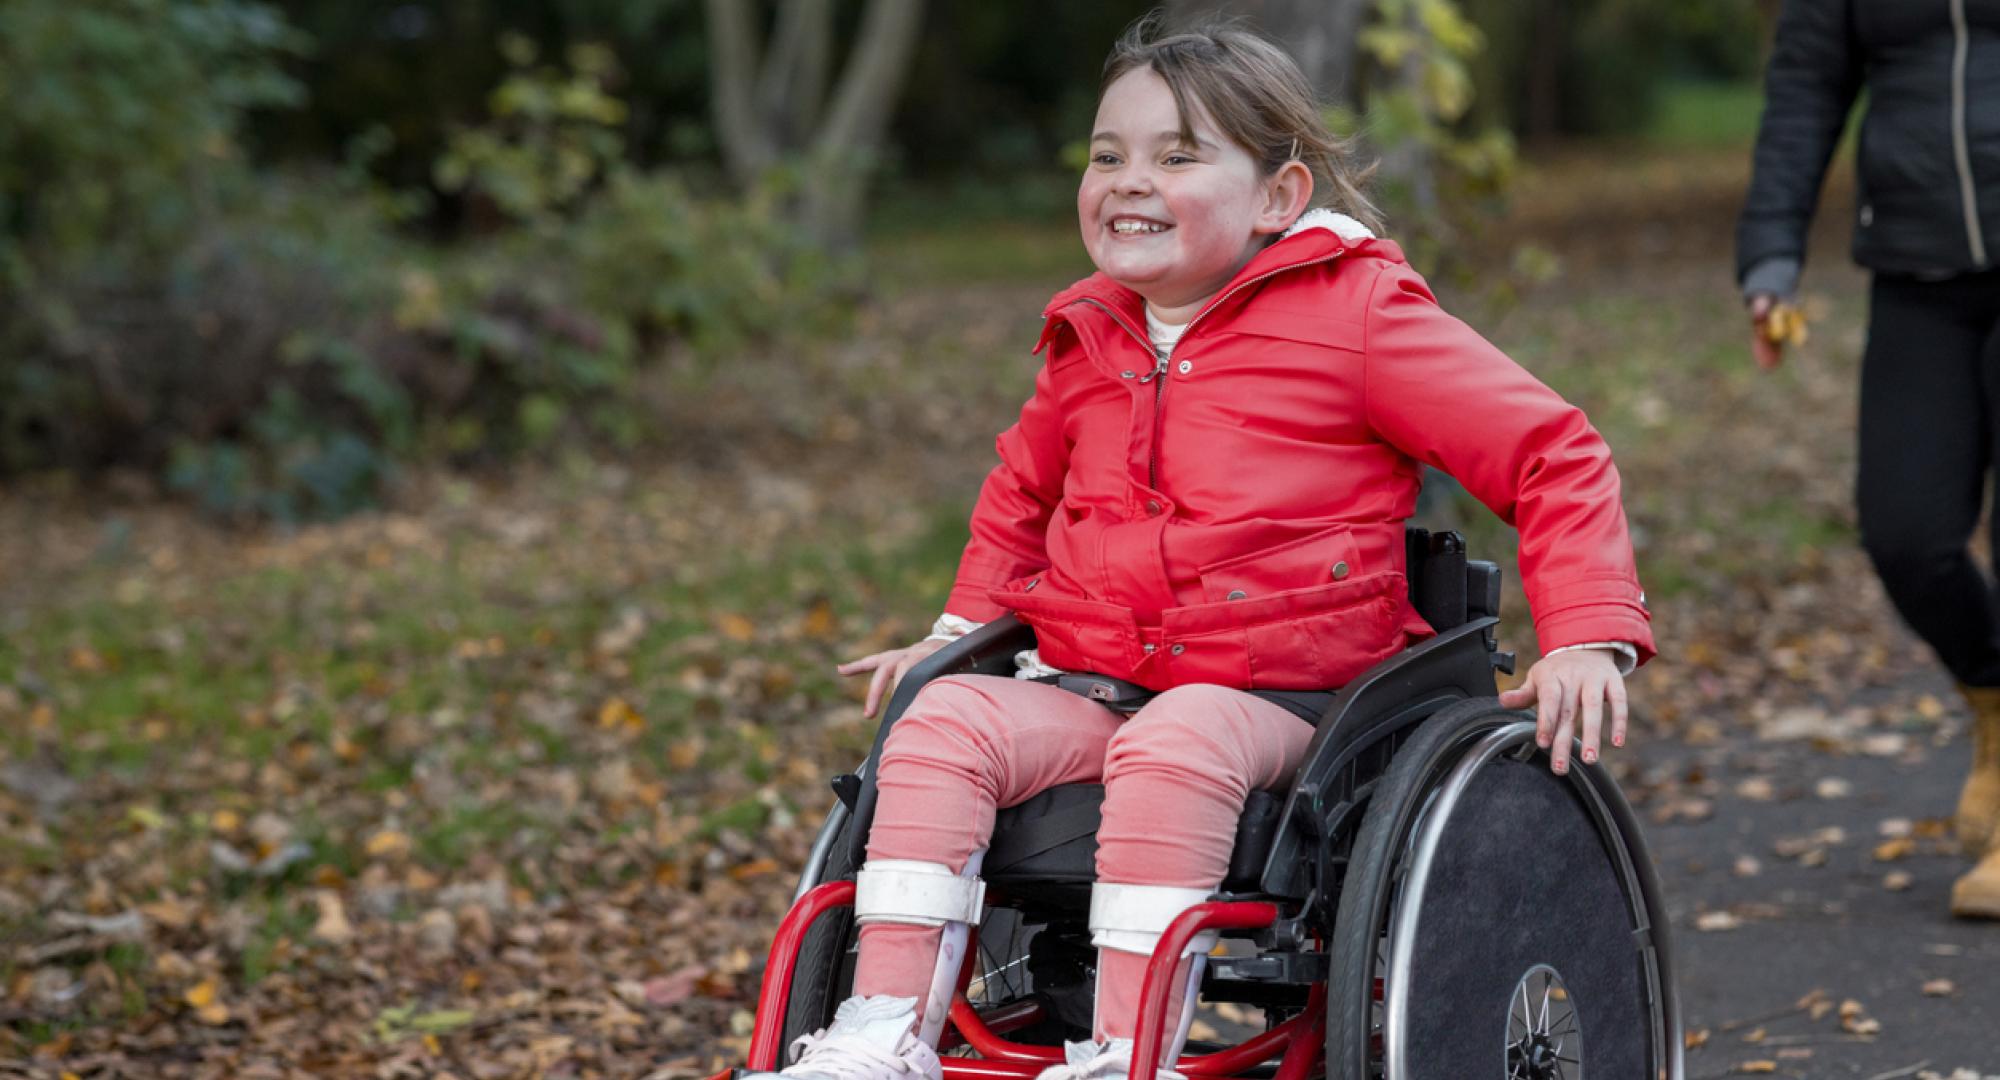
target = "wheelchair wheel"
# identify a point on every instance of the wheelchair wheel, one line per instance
(825, 971)
(1019, 959)
(1499, 921)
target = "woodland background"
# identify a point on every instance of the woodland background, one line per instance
(445, 446)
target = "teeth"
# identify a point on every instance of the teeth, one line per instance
(1128, 226)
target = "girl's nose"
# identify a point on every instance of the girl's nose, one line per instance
(1134, 180)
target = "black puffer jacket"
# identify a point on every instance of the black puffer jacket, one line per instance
(1929, 160)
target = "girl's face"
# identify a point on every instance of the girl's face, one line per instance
(1172, 221)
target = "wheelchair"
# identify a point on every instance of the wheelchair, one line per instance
(1427, 901)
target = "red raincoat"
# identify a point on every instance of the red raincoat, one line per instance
(1236, 517)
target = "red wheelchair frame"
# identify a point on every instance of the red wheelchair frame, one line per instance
(1300, 1040)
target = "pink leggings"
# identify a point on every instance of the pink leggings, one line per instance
(1175, 777)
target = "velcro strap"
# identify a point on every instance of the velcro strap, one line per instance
(1132, 918)
(916, 893)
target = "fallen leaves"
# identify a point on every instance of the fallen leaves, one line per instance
(203, 998)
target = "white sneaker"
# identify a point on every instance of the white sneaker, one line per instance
(872, 1038)
(1108, 1060)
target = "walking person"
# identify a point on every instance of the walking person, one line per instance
(1927, 223)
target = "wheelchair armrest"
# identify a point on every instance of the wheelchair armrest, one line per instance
(988, 650)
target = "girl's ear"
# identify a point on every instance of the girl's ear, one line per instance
(1287, 193)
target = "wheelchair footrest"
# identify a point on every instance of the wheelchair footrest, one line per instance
(1278, 969)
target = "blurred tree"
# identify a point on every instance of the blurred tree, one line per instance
(773, 109)
(1321, 34)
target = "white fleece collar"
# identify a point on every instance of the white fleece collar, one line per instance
(1333, 221)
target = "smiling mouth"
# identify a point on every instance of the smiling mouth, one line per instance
(1135, 227)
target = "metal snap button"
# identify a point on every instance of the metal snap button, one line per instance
(1128, 374)
(1179, 649)
(1340, 570)
(1151, 648)
(1152, 506)
(1185, 366)
(1237, 594)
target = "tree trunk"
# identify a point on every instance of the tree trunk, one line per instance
(849, 143)
(1320, 34)
(1542, 119)
(792, 90)
(776, 109)
(1407, 165)
(747, 145)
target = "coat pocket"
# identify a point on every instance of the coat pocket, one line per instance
(1329, 556)
(1073, 634)
(1315, 638)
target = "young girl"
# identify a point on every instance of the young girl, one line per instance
(1205, 495)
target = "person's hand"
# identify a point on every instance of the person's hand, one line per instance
(1773, 325)
(1769, 354)
(1570, 690)
(889, 668)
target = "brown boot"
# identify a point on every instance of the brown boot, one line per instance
(1977, 894)
(1979, 803)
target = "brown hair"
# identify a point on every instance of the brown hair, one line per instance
(1255, 94)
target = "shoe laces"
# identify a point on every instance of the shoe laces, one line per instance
(844, 1056)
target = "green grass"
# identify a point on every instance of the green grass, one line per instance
(1706, 114)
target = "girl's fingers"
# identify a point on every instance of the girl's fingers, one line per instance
(856, 667)
(1548, 711)
(1593, 718)
(875, 690)
(1616, 692)
(1556, 702)
(1520, 695)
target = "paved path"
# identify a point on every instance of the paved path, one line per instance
(1786, 849)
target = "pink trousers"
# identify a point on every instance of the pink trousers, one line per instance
(1175, 776)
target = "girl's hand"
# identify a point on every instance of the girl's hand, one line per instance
(1567, 684)
(889, 668)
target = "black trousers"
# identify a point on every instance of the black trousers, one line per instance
(1930, 434)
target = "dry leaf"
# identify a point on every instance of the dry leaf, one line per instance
(736, 627)
(332, 927)
(1891, 850)
(1897, 880)
(1717, 920)
(1761, 1065)
(388, 844)
(1940, 988)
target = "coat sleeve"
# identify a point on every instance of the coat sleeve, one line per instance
(1444, 395)
(1814, 75)
(1011, 519)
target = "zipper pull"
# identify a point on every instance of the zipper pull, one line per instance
(1159, 369)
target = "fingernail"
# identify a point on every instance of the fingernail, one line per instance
(1589, 756)
(1618, 740)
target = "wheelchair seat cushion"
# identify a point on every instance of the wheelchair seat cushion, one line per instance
(1051, 839)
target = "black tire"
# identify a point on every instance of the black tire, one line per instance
(1582, 847)
(824, 975)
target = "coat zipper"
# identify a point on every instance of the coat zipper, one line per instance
(1961, 153)
(1158, 376)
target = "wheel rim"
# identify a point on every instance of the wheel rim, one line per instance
(1419, 849)
(1544, 1035)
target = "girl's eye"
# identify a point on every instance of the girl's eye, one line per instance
(1104, 159)
(1179, 159)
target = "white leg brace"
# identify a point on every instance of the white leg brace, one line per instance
(917, 893)
(1133, 919)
